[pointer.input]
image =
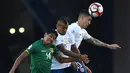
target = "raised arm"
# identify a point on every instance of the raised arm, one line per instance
(18, 61)
(99, 43)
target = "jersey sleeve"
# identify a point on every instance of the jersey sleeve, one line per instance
(70, 29)
(86, 35)
(72, 38)
(58, 41)
(30, 49)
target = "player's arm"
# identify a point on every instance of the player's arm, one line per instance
(67, 52)
(88, 69)
(18, 61)
(75, 49)
(70, 53)
(99, 43)
(63, 59)
(96, 42)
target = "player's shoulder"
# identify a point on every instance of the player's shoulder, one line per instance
(38, 42)
(73, 24)
(53, 45)
(84, 31)
(34, 44)
(59, 37)
(69, 33)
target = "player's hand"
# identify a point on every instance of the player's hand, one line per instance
(74, 66)
(86, 61)
(84, 58)
(114, 46)
(11, 71)
(88, 69)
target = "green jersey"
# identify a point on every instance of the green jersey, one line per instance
(41, 56)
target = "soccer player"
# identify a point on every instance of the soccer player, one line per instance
(78, 30)
(41, 53)
(65, 43)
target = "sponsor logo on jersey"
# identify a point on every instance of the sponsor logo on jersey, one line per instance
(73, 31)
(65, 40)
(70, 41)
(43, 50)
(52, 50)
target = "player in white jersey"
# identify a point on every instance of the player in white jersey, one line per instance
(78, 30)
(65, 42)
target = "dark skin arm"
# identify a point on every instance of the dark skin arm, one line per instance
(63, 59)
(66, 52)
(99, 43)
(70, 53)
(18, 61)
(89, 71)
(76, 50)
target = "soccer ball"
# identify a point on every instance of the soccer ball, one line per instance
(95, 9)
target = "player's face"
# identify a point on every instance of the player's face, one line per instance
(86, 21)
(62, 28)
(49, 38)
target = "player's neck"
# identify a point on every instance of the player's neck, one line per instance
(79, 23)
(61, 33)
(43, 42)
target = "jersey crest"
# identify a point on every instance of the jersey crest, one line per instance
(52, 50)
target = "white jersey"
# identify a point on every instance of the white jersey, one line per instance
(78, 33)
(67, 40)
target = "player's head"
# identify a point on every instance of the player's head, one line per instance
(50, 37)
(62, 25)
(84, 19)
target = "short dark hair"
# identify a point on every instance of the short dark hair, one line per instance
(52, 31)
(84, 12)
(63, 20)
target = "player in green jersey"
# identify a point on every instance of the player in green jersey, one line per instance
(41, 53)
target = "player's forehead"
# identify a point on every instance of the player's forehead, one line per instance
(88, 17)
(51, 35)
(61, 24)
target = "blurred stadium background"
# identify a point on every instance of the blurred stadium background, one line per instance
(37, 15)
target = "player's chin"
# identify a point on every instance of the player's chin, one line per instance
(63, 33)
(85, 26)
(49, 43)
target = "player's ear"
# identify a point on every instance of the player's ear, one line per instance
(45, 34)
(81, 17)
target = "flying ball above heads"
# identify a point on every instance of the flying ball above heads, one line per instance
(95, 9)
